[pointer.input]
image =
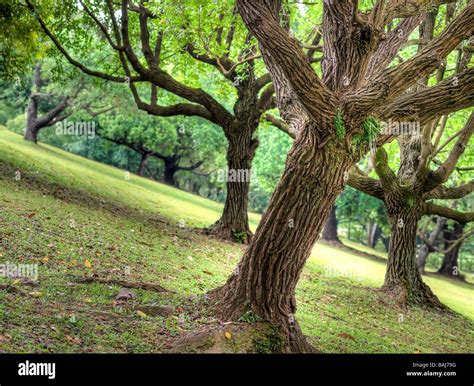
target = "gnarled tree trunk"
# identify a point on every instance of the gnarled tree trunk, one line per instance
(265, 280)
(402, 278)
(233, 224)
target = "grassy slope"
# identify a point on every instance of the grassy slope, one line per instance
(86, 212)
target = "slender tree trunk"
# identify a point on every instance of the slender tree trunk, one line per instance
(169, 172)
(143, 164)
(373, 234)
(386, 243)
(233, 224)
(402, 278)
(330, 228)
(31, 130)
(449, 266)
(31, 133)
(426, 249)
(265, 279)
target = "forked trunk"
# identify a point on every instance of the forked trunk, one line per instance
(330, 228)
(402, 278)
(265, 279)
(233, 224)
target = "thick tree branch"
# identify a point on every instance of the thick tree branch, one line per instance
(434, 209)
(389, 47)
(397, 9)
(260, 18)
(442, 174)
(395, 80)
(445, 193)
(365, 184)
(451, 95)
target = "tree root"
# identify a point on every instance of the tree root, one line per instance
(122, 283)
(421, 296)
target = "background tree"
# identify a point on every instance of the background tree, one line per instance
(209, 35)
(55, 113)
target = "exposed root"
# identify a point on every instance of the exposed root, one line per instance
(419, 295)
(288, 332)
(122, 283)
(12, 289)
(229, 234)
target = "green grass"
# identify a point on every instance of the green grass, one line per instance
(73, 216)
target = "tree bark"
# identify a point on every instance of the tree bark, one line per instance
(265, 279)
(233, 224)
(143, 164)
(330, 228)
(427, 248)
(402, 278)
(373, 235)
(449, 266)
(31, 131)
(170, 171)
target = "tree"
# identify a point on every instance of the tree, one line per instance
(167, 140)
(333, 120)
(453, 238)
(453, 243)
(58, 113)
(428, 244)
(330, 228)
(332, 117)
(147, 65)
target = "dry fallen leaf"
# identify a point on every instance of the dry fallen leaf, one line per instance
(345, 335)
(5, 338)
(141, 314)
(73, 339)
(88, 264)
(31, 215)
(36, 294)
(227, 335)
